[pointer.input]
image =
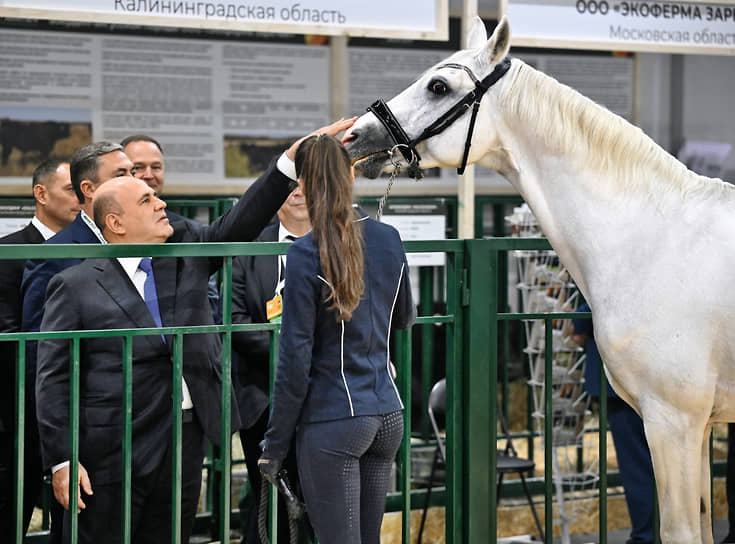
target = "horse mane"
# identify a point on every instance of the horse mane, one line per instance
(572, 124)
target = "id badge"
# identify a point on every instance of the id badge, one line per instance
(274, 309)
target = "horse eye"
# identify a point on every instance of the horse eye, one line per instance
(438, 87)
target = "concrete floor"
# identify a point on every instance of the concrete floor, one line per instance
(621, 536)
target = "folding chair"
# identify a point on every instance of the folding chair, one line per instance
(508, 460)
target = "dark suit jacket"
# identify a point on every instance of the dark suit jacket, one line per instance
(38, 272)
(11, 275)
(254, 280)
(98, 294)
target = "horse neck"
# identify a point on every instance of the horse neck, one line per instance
(589, 207)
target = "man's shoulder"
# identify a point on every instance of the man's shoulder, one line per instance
(83, 271)
(27, 235)
(269, 233)
(69, 234)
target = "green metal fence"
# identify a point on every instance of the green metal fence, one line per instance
(474, 315)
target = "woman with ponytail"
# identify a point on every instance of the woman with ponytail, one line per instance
(346, 287)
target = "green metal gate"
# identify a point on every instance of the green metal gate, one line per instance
(471, 280)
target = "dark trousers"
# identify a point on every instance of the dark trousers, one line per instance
(730, 482)
(101, 520)
(636, 468)
(344, 468)
(32, 480)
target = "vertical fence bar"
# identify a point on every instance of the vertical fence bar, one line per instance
(127, 439)
(403, 344)
(176, 437)
(427, 345)
(481, 368)
(20, 426)
(74, 431)
(273, 494)
(226, 437)
(454, 415)
(548, 431)
(602, 454)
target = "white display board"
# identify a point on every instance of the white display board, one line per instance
(624, 25)
(415, 19)
(417, 221)
(221, 109)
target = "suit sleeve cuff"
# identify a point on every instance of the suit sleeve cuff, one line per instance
(58, 467)
(287, 167)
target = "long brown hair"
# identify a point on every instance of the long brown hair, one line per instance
(324, 168)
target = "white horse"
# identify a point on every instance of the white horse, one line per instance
(650, 243)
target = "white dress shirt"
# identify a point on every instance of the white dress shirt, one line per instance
(138, 277)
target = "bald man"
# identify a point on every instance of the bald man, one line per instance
(110, 294)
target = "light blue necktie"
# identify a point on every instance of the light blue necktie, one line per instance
(149, 291)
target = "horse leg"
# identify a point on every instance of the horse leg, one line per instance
(675, 440)
(706, 509)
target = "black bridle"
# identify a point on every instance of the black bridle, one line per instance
(472, 99)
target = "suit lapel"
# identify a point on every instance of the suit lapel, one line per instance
(165, 270)
(32, 235)
(266, 268)
(116, 283)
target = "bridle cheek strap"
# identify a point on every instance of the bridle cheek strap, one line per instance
(472, 99)
(381, 110)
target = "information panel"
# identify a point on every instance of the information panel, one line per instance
(624, 25)
(222, 109)
(415, 19)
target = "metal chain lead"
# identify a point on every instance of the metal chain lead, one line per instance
(394, 174)
(396, 169)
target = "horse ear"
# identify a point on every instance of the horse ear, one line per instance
(478, 35)
(499, 43)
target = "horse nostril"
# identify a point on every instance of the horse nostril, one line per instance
(349, 138)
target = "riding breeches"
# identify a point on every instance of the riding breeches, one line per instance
(344, 469)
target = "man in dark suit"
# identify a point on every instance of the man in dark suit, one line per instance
(106, 293)
(256, 279)
(90, 166)
(56, 207)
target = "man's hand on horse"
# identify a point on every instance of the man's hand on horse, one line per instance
(332, 129)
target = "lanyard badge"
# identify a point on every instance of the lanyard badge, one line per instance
(274, 309)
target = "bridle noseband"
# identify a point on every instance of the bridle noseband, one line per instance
(472, 99)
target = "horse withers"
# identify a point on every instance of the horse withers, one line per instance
(648, 242)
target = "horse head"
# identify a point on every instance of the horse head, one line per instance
(431, 122)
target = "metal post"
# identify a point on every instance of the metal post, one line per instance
(456, 284)
(20, 403)
(127, 439)
(176, 463)
(466, 184)
(426, 288)
(403, 345)
(338, 76)
(226, 437)
(481, 392)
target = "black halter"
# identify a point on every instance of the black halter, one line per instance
(408, 147)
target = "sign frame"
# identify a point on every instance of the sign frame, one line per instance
(564, 41)
(440, 31)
